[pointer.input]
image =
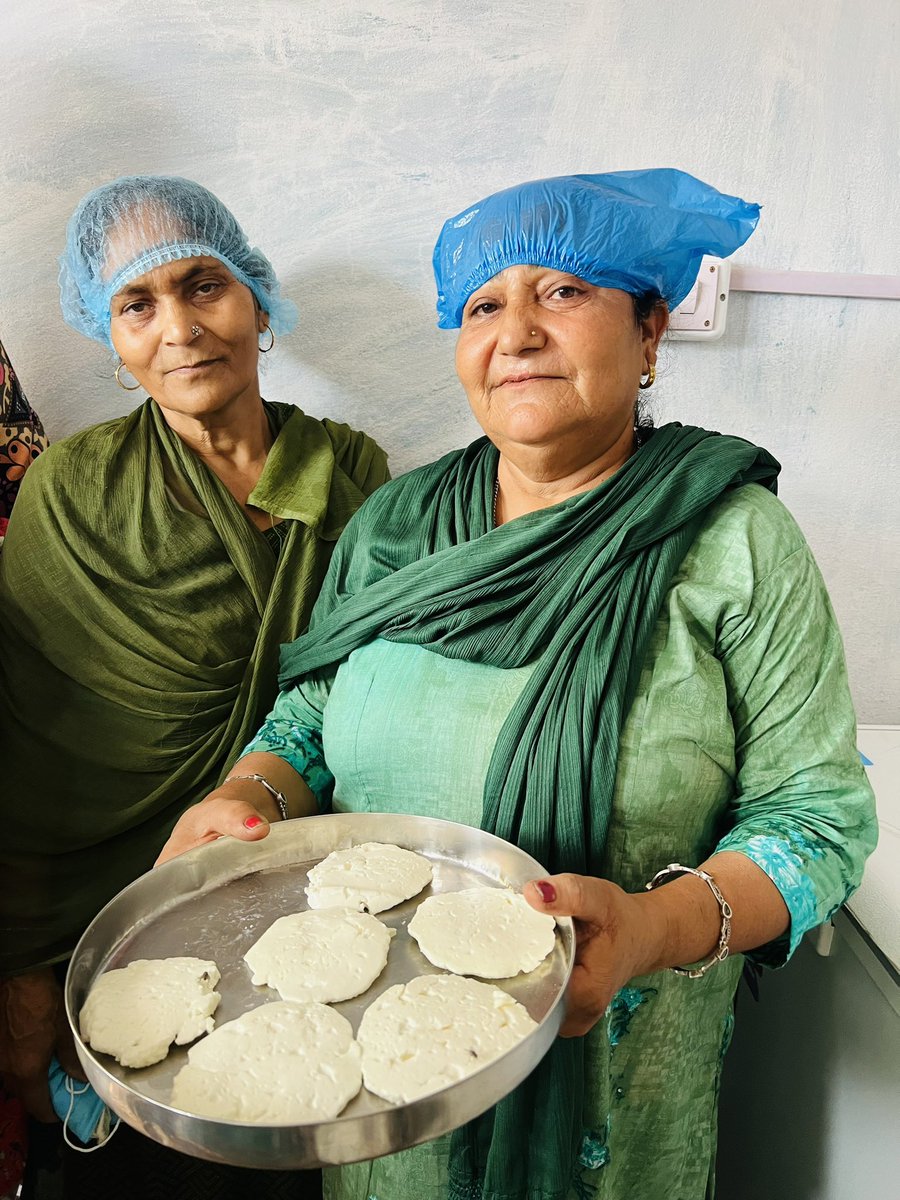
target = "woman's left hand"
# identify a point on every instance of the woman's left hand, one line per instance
(615, 940)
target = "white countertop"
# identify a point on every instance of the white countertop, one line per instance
(877, 903)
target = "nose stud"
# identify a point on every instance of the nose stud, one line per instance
(196, 330)
(534, 333)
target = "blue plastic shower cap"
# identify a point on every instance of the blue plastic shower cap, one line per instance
(138, 222)
(640, 231)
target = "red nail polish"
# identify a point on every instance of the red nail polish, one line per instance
(547, 890)
(252, 822)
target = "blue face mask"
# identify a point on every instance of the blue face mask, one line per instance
(80, 1109)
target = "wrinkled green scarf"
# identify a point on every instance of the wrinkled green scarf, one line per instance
(575, 589)
(140, 616)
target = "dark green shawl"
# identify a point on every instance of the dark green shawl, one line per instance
(140, 615)
(575, 589)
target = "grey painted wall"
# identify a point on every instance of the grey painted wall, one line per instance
(342, 132)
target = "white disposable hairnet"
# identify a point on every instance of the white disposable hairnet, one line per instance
(138, 222)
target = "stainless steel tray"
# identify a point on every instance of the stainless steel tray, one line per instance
(214, 902)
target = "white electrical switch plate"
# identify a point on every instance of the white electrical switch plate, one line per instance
(701, 314)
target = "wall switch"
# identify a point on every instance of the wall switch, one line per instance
(701, 314)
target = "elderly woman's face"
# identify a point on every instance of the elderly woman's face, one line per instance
(187, 373)
(549, 361)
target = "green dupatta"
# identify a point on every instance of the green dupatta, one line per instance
(141, 615)
(575, 589)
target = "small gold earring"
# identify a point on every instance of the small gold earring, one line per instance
(266, 349)
(651, 378)
(124, 386)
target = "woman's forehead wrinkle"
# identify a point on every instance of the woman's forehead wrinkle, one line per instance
(177, 274)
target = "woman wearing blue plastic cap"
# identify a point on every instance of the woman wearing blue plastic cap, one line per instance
(608, 644)
(153, 566)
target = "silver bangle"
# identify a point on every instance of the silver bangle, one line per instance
(277, 796)
(721, 951)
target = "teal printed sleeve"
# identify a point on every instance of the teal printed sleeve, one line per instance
(804, 811)
(293, 731)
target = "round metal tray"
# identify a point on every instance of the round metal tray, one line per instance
(215, 901)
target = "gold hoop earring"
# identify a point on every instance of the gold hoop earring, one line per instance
(124, 386)
(651, 378)
(266, 349)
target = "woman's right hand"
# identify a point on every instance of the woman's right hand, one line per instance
(239, 808)
(33, 1028)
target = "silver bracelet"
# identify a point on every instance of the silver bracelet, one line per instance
(721, 951)
(277, 796)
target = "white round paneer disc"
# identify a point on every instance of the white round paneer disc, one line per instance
(370, 877)
(135, 1013)
(330, 955)
(490, 932)
(279, 1064)
(421, 1036)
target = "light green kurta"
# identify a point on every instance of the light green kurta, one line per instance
(741, 737)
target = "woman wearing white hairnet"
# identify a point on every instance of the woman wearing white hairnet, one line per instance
(152, 567)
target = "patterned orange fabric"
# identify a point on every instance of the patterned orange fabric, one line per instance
(22, 436)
